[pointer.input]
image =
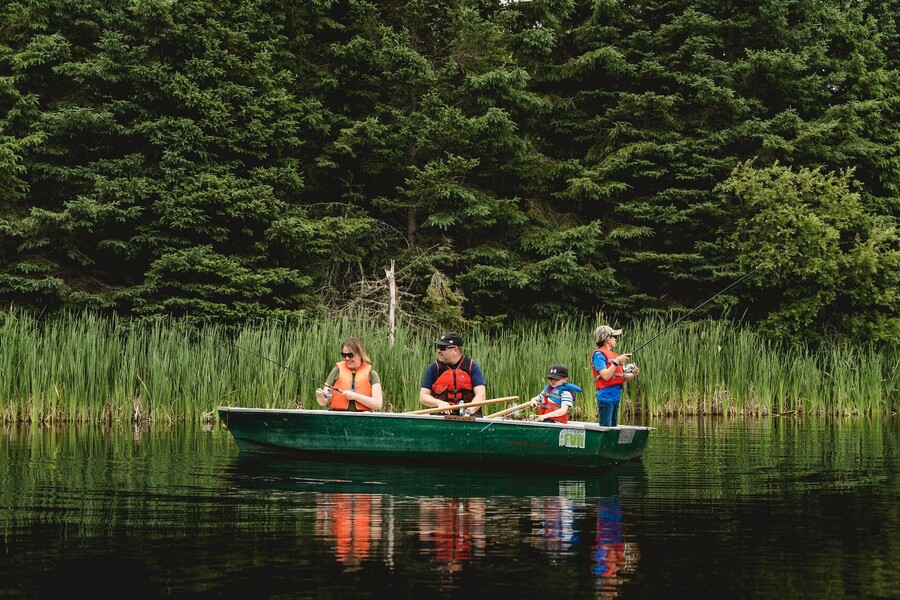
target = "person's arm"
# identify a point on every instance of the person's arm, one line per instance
(425, 396)
(320, 392)
(479, 385)
(430, 401)
(480, 393)
(373, 402)
(567, 400)
(607, 372)
(479, 389)
(562, 410)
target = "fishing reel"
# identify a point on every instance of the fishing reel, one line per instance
(629, 368)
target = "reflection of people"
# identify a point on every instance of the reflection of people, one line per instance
(453, 378)
(451, 530)
(609, 377)
(558, 396)
(352, 384)
(612, 555)
(555, 516)
(353, 521)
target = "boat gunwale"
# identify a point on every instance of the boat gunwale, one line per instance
(577, 425)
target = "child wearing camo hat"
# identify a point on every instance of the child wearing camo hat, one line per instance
(609, 377)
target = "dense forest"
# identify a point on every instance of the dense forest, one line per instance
(230, 160)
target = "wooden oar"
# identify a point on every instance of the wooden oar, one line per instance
(431, 411)
(507, 411)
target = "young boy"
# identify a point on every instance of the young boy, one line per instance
(558, 396)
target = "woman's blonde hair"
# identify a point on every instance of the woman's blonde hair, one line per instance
(355, 345)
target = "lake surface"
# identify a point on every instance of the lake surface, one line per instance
(717, 508)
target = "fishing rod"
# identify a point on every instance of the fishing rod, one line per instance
(316, 379)
(696, 307)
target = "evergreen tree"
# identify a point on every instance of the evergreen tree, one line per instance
(171, 145)
(433, 101)
(660, 101)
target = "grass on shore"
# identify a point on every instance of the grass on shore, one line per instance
(85, 368)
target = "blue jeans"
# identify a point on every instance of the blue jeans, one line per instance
(608, 413)
(608, 405)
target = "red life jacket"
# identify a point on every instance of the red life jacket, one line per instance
(454, 385)
(352, 527)
(346, 381)
(551, 399)
(618, 376)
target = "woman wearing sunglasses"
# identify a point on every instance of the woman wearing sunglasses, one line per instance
(352, 384)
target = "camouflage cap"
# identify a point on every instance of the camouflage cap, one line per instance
(603, 332)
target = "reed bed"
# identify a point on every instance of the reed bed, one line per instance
(86, 368)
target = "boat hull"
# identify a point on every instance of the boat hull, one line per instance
(432, 439)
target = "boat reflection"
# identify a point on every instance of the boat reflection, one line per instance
(452, 518)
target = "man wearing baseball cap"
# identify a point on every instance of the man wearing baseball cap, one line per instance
(609, 377)
(453, 378)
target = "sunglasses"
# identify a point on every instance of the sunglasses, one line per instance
(347, 354)
(442, 348)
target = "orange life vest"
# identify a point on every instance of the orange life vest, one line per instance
(348, 380)
(551, 399)
(618, 376)
(351, 527)
(454, 385)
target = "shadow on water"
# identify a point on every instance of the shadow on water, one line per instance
(265, 472)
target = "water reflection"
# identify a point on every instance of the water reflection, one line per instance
(351, 522)
(726, 509)
(554, 519)
(454, 518)
(451, 531)
(614, 557)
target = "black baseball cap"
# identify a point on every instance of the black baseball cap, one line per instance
(557, 372)
(451, 338)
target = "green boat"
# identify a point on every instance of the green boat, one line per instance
(434, 439)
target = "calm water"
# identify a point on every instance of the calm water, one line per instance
(716, 509)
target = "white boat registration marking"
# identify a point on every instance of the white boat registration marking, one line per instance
(626, 435)
(571, 438)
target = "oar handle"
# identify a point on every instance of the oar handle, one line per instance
(510, 410)
(431, 411)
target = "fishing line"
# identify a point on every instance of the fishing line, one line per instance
(696, 307)
(316, 379)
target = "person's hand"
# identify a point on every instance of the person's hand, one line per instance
(623, 358)
(536, 401)
(320, 397)
(350, 395)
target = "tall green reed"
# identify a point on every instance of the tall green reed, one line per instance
(85, 368)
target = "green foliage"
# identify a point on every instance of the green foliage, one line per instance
(658, 102)
(237, 159)
(827, 261)
(172, 145)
